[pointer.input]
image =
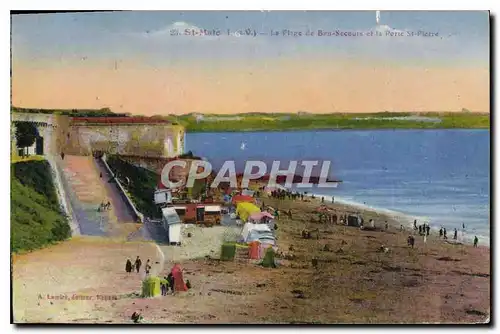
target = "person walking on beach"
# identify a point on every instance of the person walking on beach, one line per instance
(455, 235)
(420, 229)
(170, 280)
(333, 199)
(322, 199)
(444, 234)
(440, 232)
(415, 224)
(128, 266)
(147, 267)
(428, 229)
(164, 286)
(411, 241)
(137, 264)
(476, 240)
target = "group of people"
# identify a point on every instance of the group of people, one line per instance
(425, 231)
(169, 283)
(284, 194)
(104, 206)
(129, 267)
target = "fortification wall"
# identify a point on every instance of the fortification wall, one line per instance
(61, 134)
(148, 140)
(52, 128)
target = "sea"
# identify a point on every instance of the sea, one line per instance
(441, 177)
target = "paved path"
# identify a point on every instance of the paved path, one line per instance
(87, 190)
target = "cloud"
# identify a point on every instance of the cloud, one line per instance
(383, 28)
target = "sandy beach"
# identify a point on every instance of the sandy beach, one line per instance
(436, 282)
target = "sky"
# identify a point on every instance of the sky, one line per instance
(143, 62)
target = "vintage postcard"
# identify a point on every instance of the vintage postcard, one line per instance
(255, 167)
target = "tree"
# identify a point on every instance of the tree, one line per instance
(26, 133)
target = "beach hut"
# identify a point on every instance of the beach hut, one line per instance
(245, 209)
(162, 196)
(172, 223)
(213, 214)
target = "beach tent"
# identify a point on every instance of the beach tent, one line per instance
(151, 286)
(268, 260)
(247, 192)
(228, 251)
(245, 209)
(249, 227)
(254, 250)
(353, 221)
(257, 216)
(179, 284)
(258, 232)
(246, 230)
(242, 199)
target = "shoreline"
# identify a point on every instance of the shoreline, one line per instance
(402, 217)
(332, 129)
(394, 218)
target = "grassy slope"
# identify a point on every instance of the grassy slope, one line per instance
(270, 122)
(36, 217)
(142, 185)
